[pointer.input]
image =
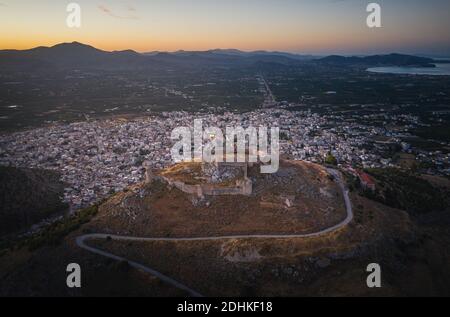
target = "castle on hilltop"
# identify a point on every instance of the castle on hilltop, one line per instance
(207, 179)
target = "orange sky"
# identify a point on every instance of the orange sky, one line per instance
(320, 26)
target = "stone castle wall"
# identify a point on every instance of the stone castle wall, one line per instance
(244, 187)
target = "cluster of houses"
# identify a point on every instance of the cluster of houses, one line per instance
(100, 157)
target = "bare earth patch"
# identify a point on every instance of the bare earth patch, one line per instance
(300, 198)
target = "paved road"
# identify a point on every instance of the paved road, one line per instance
(82, 239)
(270, 98)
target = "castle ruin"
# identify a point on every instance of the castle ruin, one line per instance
(215, 179)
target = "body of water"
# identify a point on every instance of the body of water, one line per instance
(439, 70)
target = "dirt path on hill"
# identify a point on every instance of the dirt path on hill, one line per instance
(80, 241)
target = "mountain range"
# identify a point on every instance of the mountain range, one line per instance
(381, 60)
(78, 55)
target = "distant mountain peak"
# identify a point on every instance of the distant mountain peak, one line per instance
(392, 59)
(74, 45)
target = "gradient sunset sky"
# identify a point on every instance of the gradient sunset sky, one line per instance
(302, 26)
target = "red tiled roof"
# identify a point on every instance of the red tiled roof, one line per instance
(366, 178)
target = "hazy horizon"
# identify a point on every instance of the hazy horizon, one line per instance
(435, 55)
(320, 27)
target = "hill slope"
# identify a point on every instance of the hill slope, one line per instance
(414, 256)
(380, 60)
(28, 196)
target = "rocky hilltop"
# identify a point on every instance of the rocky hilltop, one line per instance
(300, 199)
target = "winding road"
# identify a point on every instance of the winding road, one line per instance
(80, 241)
